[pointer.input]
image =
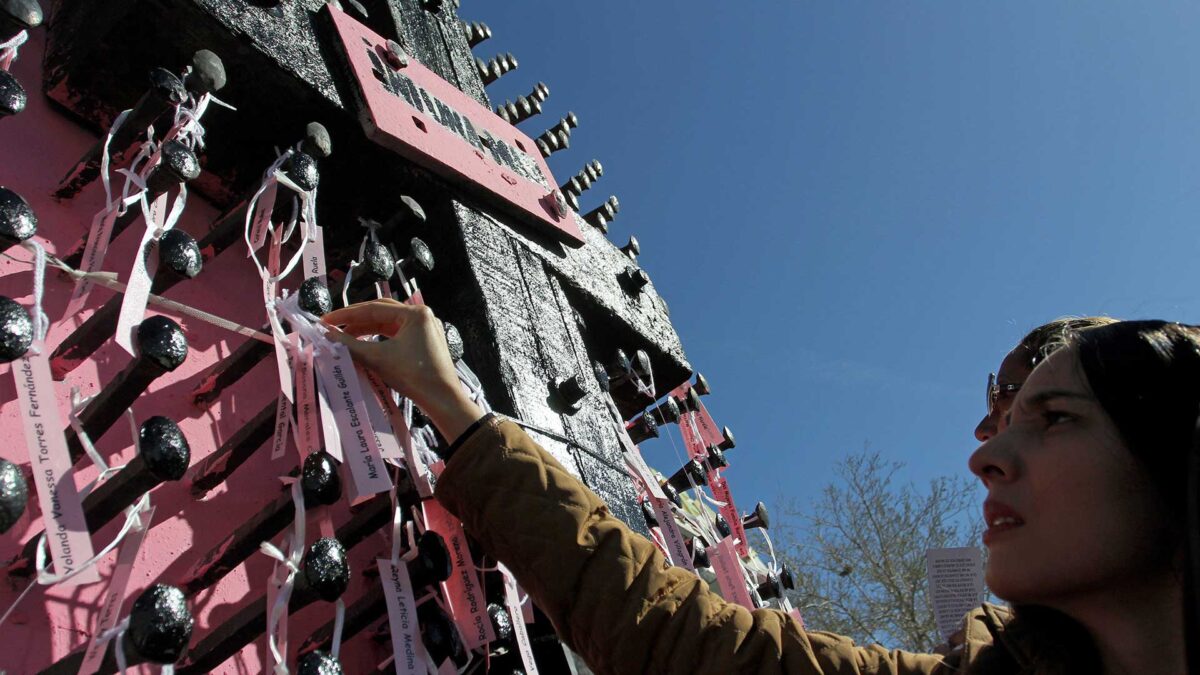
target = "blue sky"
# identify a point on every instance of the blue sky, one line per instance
(855, 209)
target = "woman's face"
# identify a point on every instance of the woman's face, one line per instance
(1014, 370)
(1069, 510)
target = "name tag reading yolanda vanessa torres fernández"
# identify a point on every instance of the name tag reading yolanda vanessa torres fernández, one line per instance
(62, 509)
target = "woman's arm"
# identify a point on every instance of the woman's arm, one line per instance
(609, 592)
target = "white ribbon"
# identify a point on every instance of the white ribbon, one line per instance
(8, 49)
(339, 620)
(292, 563)
(41, 322)
(117, 633)
(132, 521)
(78, 403)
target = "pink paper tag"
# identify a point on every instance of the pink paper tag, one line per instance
(795, 614)
(676, 546)
(641, 471)
(62, 511)
(512, 601)
(110, 610)
(463, 592)
(407, 646)
(379, 412)
(307, 427)
(340, 382)
(692, 439)
(728, 569)
(314, 253)
(708, 428)
(93, 257)
(283, 418)
(137, 289)
(262, 216)
(720, 490)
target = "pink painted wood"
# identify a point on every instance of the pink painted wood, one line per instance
(36, 147)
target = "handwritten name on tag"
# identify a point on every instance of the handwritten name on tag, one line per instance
(512, 601)
(676, 546)
(262, 217)
(720, 490)
(62, 510)
(308, 434)
(407, 647)
(283, 418)
(955, 585)
(463, 591)
(359, 445)
(381, 409)
(638, 467)
(728, 569)
(110, 610)
(137, 291)
(93, 257)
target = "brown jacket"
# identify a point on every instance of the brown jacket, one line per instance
(615, 600)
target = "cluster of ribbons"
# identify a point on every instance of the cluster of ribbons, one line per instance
(69, 557)
(734, 564)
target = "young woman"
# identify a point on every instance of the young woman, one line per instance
(1086, 511)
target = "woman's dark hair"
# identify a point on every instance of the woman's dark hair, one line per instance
(1146, 377)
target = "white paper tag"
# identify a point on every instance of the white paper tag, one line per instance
(672, 537)
(512, 601)
(93, 257)
(283, 418)
(110, 610)
(262, 217)
(375, 400)
(407, 646)
(329, 426)
(137, 291)
(314, 253)
(955, 585)
(340, 382)
(62, 508)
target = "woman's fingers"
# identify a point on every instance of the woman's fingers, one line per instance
(377, 317)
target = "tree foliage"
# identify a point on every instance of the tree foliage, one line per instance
(858, 551)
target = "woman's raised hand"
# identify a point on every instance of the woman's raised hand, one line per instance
(414, 360)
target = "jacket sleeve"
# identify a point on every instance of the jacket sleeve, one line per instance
(610, 593)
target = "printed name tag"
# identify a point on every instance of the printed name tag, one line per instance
(359, 445)
(463, 591)
(62, 509)
(407, 647)
(728, 569)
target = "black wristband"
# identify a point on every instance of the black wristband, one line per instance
(462, 438)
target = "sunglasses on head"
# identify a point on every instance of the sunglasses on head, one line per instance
(995, 390)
